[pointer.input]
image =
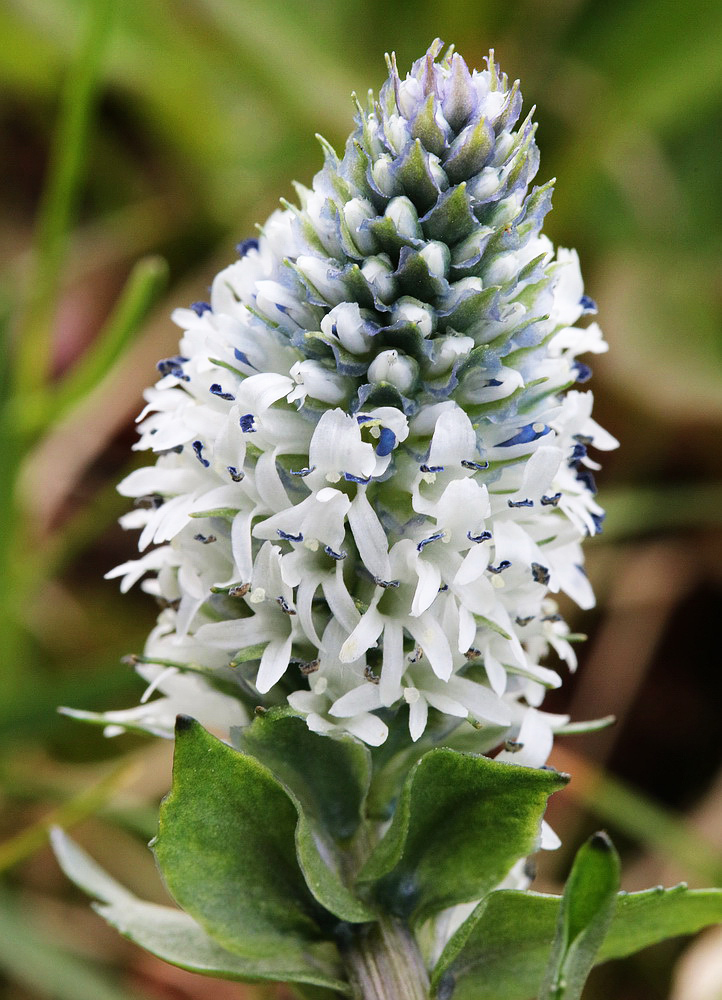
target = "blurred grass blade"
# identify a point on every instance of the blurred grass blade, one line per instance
(631, 812)
(87, 803)
(28, 958)
(142, 290)
(60, 197)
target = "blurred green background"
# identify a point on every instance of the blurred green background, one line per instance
(167, 129)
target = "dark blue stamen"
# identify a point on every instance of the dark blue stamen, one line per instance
(205, 539)
(218, 391)
(586, 478)
(525, 436)
(173, 366)
(584, 372)
(427, 541)
(504, 564)
(386, 584)
(551, 501)
(431, 468)
(521, 503)
(493, 382)
(524, 621)
(387, 440)
(583, 439)
(287, 536)
(285, 606)
(247, 423)
(235, 475)
(443, 588)
(477, 466)
(579, 451)
(244, 246)
(350, 478)
(598, 519)
(362, 418)
(483, 537)
(240, 356)
(540, 573)
(198, 449)
(587, 304)
(552, 618)
(302, 472)
(200, 307)
(335, 555)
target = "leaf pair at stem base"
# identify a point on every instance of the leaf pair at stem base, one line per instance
(268, 849)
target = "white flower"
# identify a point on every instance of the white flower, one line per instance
(372, 469)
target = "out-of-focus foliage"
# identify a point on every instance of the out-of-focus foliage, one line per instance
(166, 128)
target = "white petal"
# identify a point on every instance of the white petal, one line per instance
(535, 735)
(363, 698)
(339, 600)
(549, 840)
(368, 728)
(393, 663)
(474, 565)
(418, 715)
(430, 636)
(427, 587)
(467, 629)
(304, 603)
(363, 636)
(454, 439)
(370, 537)
(480, 701)
(241, 544)
(336, 447)
(496, 673)
(274, 663)
(539, 472)
(238, 633)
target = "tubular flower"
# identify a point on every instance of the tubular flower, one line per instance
(372, 470)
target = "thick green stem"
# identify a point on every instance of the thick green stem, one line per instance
(384, 963)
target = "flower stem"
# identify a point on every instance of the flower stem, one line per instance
(383, 962)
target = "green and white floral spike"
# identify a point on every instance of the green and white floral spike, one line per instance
(372, 470)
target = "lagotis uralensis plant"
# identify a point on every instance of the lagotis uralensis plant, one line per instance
(372, 476)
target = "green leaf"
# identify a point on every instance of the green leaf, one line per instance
(327, 777)
(585, 913)
(173, 935)
(226, 848)
(501, 951)
(462, 821)
(644, 918)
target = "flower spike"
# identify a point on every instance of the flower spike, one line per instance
(374, 418)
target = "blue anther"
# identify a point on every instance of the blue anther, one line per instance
(483, 537)
(288, 537)
(387, 440)
(526, 435)
(200, 307)
(218, 391)
(244, 246)
(198, 449)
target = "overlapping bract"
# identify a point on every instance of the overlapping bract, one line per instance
(372, 469)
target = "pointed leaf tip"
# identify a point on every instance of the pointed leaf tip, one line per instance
(183, 723)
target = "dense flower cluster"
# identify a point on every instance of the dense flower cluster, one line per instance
(372, 469)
